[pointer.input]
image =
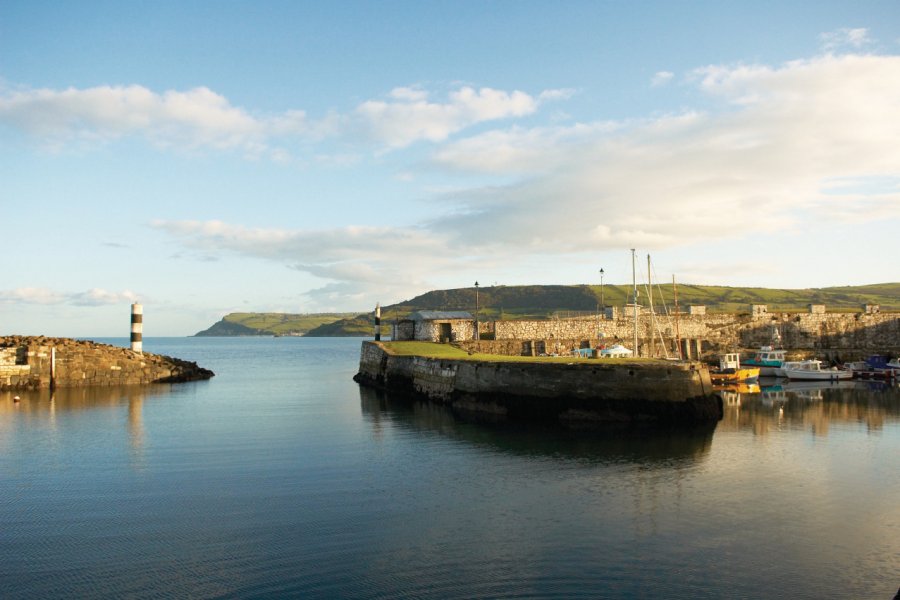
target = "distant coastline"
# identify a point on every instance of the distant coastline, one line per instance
(539, 302)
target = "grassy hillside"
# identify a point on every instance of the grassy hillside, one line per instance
(235, 324)
(543, 301)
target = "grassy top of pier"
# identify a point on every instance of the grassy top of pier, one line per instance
(449, 351)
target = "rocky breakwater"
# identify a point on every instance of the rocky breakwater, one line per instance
(576, 393)
(29, 363)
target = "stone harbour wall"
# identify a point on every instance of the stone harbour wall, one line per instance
(613, 391)
(818, 331)
(40, 362)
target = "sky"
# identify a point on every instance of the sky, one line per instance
(203, 158)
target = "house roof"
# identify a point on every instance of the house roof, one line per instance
(440, 315)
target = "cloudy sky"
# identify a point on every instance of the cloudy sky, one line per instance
(205, 158)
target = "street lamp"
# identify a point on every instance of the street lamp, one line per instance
(602, 304)
(476, 311)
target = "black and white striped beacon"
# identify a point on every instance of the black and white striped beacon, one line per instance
(137, 328)
(378, 322)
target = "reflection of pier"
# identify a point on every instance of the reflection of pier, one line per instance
(53, 407)
(642, 446)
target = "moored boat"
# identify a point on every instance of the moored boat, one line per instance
(768, 359)
(875, 367)
(731, 370)
(811, 370)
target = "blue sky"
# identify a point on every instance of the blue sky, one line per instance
(204, 158)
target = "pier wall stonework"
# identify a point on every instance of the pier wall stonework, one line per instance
(37, 362)
(813, 331)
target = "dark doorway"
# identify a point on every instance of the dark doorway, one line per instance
(445, 332)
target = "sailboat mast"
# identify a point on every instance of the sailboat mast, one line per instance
(634, 285)
(651, 352)
(677, 335)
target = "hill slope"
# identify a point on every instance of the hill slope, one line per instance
(237, 324)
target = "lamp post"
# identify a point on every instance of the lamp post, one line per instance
(476, 311)
(602, 303)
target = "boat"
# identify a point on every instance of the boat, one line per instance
(730, 370)
(788, 364)
(768, 359)
(875, 367)
(811, 370)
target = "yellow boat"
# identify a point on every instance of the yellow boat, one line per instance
(731, 371)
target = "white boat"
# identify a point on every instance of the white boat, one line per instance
(788, 364)
(811, 370)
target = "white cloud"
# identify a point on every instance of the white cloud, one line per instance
(100, 297)
(552, 95)
(854, 39)
(201, 118)
(410, 117)
(192, 119)
(30, 295)
(92, 297)
(782, 134)
(767, 159)
(661, 78)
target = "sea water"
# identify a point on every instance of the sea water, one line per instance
(281, 477)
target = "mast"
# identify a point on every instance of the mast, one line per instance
(634, 285)
(677, 335)
(650, 304)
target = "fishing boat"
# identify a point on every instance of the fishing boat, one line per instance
(768, 359)
(788, 364)
(811, 370)
(730, 370)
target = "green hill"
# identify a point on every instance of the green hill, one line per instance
(544, 301)
(237, 324)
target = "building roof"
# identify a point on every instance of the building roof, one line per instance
(440, 315)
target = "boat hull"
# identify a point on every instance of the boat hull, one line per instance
(743, 374)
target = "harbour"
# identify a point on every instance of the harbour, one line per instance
(281, 477)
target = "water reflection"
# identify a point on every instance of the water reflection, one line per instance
(43, 410)
(812, 406)
(647, 447)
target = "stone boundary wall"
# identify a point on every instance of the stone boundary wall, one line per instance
(600, 391)
(847, 332)
(39, 362)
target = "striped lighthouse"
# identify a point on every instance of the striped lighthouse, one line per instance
(377, 321)
(137, 328)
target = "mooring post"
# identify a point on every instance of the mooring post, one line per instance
(377, 321)
(137, 325)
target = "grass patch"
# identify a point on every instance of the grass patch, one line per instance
(446, 351)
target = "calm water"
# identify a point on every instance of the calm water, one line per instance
(280, 477)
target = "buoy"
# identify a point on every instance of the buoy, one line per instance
(16, 399)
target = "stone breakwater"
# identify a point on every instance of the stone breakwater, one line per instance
(30, 363)
(575, 394)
